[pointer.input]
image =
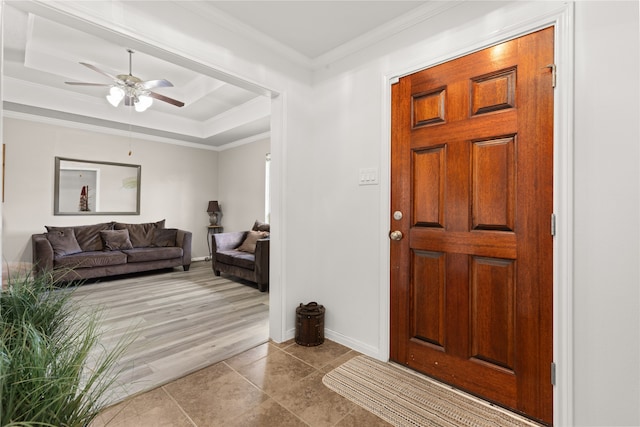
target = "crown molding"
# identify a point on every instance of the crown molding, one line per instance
(134, 132)
(233, 25)
(409, 19)
(74, 124)
(401, 23)
(245, 141)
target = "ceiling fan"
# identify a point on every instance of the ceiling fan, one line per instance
(132, 89)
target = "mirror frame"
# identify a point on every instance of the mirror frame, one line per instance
(56, 190)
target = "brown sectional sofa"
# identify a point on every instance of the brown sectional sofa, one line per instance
(109, 249)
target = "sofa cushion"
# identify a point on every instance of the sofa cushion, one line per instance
(238, 258)
(90, 259)
(115, 239)
(88, 236)
(163, 237)
(152, 254)
(63, 241)
(141, 235)
(249, 243)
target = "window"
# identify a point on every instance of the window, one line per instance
(267, 195)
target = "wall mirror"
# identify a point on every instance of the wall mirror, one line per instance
(85, 187)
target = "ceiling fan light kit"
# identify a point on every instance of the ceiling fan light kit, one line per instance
(115, 96)
(133, 90)
(140, 99)
(143, 103)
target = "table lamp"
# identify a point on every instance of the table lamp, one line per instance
(214, 212)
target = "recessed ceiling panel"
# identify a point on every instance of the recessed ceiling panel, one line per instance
(41, 54)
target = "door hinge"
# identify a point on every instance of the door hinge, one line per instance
(553, 74)
(553, 224)
(553, 373)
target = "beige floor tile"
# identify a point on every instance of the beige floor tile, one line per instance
(360, 417)
(275, 373)
(340, 360)
(320, 355)
(271, 384)
(269, 414)
(215, 395)
(314, 403)
(285, 344)
(250, 356)
(152, 409)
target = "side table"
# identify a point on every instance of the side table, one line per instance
(212, 229)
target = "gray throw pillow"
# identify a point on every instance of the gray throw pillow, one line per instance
(115, 239)
(63, 241)
(141, 235)
(88, 236)
(164, 237)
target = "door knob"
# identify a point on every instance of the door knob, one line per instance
(395, 235)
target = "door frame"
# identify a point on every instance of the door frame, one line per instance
(562, 19)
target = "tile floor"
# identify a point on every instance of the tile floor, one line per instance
(269, 385)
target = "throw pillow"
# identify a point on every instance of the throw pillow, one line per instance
(141, 235)
(63, 241)
(261, 226)
(88, 236)
(163, 237)
(249, 243)
(116, 239)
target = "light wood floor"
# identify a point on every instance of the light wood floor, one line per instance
(181, 321)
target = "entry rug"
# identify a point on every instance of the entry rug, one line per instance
(403, 398)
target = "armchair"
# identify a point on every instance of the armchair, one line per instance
(230, 256)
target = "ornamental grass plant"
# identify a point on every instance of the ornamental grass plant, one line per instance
(53, 370)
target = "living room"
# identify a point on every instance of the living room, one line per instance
(192, 175)
(329, 234)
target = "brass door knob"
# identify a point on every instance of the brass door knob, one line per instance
(395, 235)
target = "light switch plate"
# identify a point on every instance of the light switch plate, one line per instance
(368, 176)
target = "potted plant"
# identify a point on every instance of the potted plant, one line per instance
(53, 371)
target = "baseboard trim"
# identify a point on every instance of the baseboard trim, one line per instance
(356, 345)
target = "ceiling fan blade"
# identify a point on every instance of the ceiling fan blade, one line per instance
(166, 99)
(88, 84)
(98, 70)
(150, 84)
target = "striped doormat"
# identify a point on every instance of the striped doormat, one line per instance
(403, 398)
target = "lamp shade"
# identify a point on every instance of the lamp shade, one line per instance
(213, 206)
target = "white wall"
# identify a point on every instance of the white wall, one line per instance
(176, 182)
(241, 185)
(607, 214)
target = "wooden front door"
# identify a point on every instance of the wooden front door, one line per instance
(472, 196)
